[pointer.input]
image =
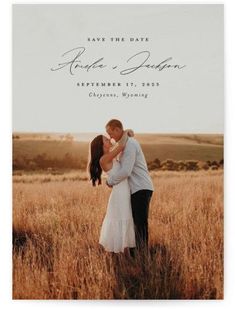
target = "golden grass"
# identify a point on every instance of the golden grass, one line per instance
(43, 176)
(56, 254)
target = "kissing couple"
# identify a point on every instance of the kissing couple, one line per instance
(125, 224)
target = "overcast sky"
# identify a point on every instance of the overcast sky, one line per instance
(187, 100)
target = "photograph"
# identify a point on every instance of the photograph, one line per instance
(117, 151)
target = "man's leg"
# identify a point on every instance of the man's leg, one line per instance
(140, 208)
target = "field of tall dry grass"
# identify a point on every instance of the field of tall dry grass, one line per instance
(56, 226)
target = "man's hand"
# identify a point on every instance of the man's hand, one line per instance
(108, 184)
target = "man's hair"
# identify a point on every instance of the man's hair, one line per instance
(114, 123)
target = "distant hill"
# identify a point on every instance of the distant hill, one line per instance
(34, 147)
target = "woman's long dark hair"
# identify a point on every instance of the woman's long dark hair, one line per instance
(96, 152)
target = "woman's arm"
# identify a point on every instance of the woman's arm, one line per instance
(126, 166)
(124, 137)
(108, 157)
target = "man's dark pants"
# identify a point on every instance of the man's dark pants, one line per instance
(140, 201)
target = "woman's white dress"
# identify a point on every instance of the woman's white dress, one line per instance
(117, 231)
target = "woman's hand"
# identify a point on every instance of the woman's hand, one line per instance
(130, 132)
(124, 138)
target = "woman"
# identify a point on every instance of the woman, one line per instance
(117, 231)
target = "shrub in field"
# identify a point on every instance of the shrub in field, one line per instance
(192, 165)
(170, 165)
(203, 165)
(155, 164)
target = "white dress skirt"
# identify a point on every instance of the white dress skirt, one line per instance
(117, 230)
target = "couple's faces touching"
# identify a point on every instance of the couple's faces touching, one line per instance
(114, 134)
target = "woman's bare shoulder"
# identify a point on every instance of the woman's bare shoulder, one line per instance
(105, 163)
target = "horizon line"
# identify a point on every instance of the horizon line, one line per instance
(95, 132)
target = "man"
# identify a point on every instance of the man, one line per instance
(133, 167)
